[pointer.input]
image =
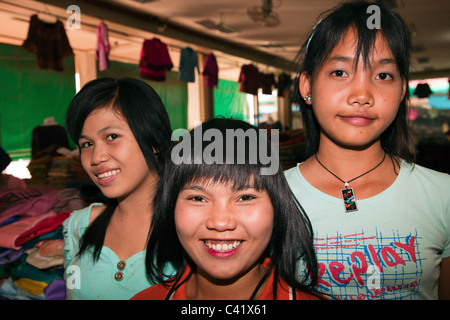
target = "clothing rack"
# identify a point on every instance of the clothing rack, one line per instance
(138, 39)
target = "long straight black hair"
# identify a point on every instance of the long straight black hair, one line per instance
(143, 110)
(292, 236)
(322, 40)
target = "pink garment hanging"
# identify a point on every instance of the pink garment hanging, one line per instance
(155, 60)
(211, 71)
(103, 47)
(10, 232)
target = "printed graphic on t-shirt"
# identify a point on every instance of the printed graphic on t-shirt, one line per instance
(360, 266)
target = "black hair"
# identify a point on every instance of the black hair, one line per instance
(292, 236)
(326, 35)
(143, 110)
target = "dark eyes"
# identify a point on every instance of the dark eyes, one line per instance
(380, 76)
(338, 73)
(196, 198)
(109, 137)
(384, 76)
(241, 198)
(247, 197)
(86, 144)
(112, 136)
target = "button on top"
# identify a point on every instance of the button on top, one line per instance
(119, 276)
(121, 265)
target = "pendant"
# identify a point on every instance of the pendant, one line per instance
(349, 199)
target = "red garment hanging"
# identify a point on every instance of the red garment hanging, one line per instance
(155, 60)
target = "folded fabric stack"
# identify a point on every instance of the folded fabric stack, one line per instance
(31, 241)
(56, 166)
(59, 171)
(77, 171)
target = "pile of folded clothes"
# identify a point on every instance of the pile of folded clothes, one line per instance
(31, 241)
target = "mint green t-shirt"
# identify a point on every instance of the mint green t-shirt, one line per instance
(392, 247)
(108, 278)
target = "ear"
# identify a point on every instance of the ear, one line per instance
(404, 88)
(304, 86)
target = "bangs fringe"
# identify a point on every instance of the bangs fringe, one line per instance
(239, 176)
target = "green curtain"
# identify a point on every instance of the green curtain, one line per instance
(229, 102)
(172, 91)
(28, 95)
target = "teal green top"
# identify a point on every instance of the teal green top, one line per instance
(108, 278)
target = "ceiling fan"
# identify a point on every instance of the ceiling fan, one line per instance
(264, 14)
(220, 26)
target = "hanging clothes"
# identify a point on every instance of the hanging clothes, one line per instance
(155, 60)
(188, 65)
(267, 82)
(423, 90)
(103, 47)
(249, 79)
(284, 83)
(49, 42)
(211, 71)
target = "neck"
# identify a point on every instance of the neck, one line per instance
(349, 163)
(139, 202)
(203, 287)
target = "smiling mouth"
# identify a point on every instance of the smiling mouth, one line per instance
(108, 174)
(222, 245)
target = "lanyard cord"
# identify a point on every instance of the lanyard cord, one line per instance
(346, 183)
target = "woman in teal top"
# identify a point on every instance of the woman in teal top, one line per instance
(119, 279)
(122, 130)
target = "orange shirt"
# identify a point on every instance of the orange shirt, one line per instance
(159, 291)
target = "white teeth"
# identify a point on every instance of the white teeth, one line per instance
(108, 174)
(224, 246)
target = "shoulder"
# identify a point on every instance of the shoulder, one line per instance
(156, 292)
(73, 229)
(95, 210)
(427, 188)
(292, 174)
(421, 176)
(80, 219)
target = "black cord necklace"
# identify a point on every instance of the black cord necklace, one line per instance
(347, 194)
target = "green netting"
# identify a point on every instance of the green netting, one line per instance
(28, 95)
(229, 102)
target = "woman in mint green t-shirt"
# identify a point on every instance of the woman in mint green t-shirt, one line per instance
(122, 130)
(381, 224)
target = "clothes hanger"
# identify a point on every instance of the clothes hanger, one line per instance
(46, 16)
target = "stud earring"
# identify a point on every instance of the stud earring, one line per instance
(307, 98)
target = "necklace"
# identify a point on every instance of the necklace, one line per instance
(347, 194)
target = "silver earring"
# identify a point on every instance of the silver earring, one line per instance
(307, 98)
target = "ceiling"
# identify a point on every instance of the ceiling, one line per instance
(271, 48)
